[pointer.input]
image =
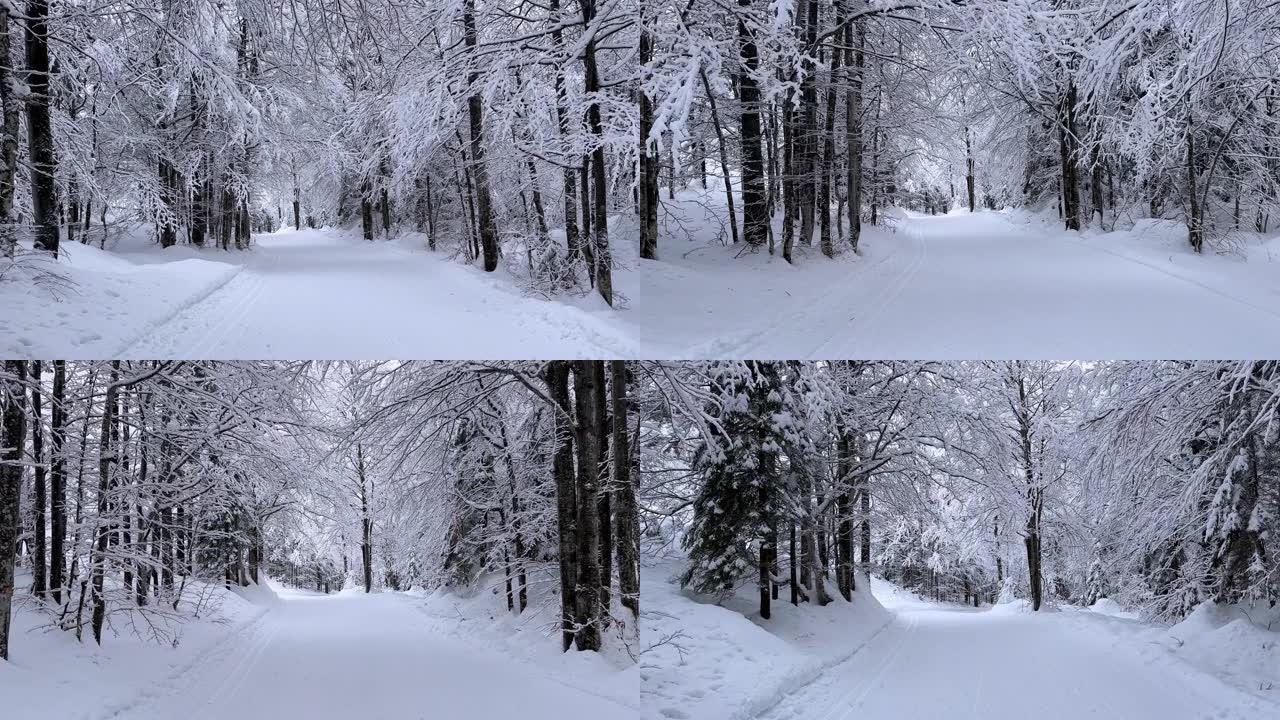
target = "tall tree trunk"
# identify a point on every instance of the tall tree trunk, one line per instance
(649, 165)
(106, 456)
(10, 105)
(587, 588)
(556, 377)
(366, 522)
(968, 170)
(724, 159)
(12, 441)
(43, 162)
(58, 480)
(1068, 150)
(573, 240)
(297, 197)
(479, 172)
(807, 150)
(624, 493)
(40, 506)
(1195, 214)
(828, 163)
(853, 133)
(599, 182)
(755, 205)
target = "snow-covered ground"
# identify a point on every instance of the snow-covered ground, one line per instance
(347, 654)
(906, 658)
(962, 285)
(309, 294)
(708, 661)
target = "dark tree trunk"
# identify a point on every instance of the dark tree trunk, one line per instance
(8, 141)
(366, 210)
(599, 182)
(479, 172)
(556, 376)
(40, 506)
(1068, 150)
(12, 441)
(106, 456)
(58, 480)
(587, 589)
(43, 162)
(755, 205)
(828, 162)
(1195, 214)
(648, 162)
(853, 136)
(968, 170)
(624, 494)
(724, 160)
(366, 522)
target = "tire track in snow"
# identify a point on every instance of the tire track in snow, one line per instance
(862, 329)
(1196, 283)
(239, 672)
(211, 340)
(812, 307)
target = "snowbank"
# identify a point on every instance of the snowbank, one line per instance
(480, 618)
(1235, 642)
(723, 662)
(50, 674)
(105, 301)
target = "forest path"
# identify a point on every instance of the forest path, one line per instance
(946, 661)
(369, 656)
(319, 294)
(977, 286)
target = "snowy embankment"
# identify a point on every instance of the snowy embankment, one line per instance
(709, 661)
(480, 618)
(1238, 644)
(97, 303)
(50, 674)
(961, 285)
(315, 294)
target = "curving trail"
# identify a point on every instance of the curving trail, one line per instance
(367, 656)
(322, 295)
(938, 661)
(965, 286)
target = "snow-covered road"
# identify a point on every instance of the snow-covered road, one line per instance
(967, 286)
(938, 661)
(318, 294)
(367, 656)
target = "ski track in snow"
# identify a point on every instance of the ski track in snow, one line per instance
(321, 295)
(326, 656)
(945, 661)
(977, 286)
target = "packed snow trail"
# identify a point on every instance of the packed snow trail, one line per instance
(322, 295)
(937, 661)
(356, 655)
(963, 286)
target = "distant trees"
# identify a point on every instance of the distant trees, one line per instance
(1153, 483)
(1107, 111)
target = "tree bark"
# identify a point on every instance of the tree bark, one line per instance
(58, 480)
(479, 172)
(556, 377)
(599, 182)
(649, 165)
(755, 206)
(40, 506)
(12, 441)
(44, 164)
(587, 587)
(624, 494)
(853, 135)
(10, 104)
